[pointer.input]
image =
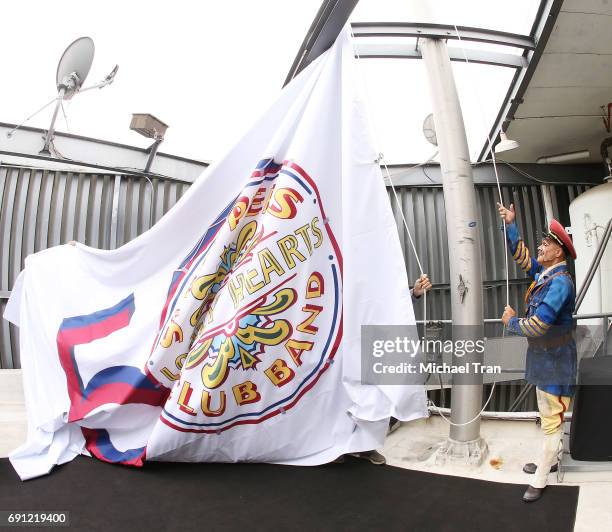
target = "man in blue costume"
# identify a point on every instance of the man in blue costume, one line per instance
(548, 326)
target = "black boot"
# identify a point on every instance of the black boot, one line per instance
(530, 468)
(532, 494)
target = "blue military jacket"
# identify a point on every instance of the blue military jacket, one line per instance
(548, 323)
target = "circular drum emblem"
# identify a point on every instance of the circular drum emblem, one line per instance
(253, 316)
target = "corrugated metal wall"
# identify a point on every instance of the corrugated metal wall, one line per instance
(423, 208)
(41, 208)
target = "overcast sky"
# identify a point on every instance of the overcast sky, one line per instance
(209, 69)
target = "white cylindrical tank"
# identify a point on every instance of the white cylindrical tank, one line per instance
(589, 214)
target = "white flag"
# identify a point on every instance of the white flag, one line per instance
(230, 331)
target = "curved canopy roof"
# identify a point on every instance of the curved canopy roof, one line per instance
(551, 94)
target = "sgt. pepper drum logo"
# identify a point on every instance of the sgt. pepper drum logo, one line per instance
(253, 316)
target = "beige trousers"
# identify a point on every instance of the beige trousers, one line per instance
(552, 408)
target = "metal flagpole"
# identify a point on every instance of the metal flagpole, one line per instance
(462, 224)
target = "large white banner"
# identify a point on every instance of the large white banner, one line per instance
(230, 331)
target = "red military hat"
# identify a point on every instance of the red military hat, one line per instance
(558, 234)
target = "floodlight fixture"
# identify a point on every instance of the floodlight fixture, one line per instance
(505, 144)
(150, 127)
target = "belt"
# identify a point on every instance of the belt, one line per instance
(545, 342)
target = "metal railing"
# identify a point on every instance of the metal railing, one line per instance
(44, 208)
(527, 389)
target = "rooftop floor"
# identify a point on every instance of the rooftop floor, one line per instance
(412, 446)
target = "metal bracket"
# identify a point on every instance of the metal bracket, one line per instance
(462, 288)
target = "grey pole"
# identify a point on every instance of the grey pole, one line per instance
(463, 228)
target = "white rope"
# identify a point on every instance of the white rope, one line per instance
(399, 206)
(381, 158)
(431, 403)
(501, 200)
(492, 151)
(401, 211)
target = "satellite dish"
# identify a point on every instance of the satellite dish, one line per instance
(72, 70)
(71, 73)
(74, 66)
(429, 130)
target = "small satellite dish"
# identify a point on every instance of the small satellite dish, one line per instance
(72, 70)
(74, 66)
(429, 130)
